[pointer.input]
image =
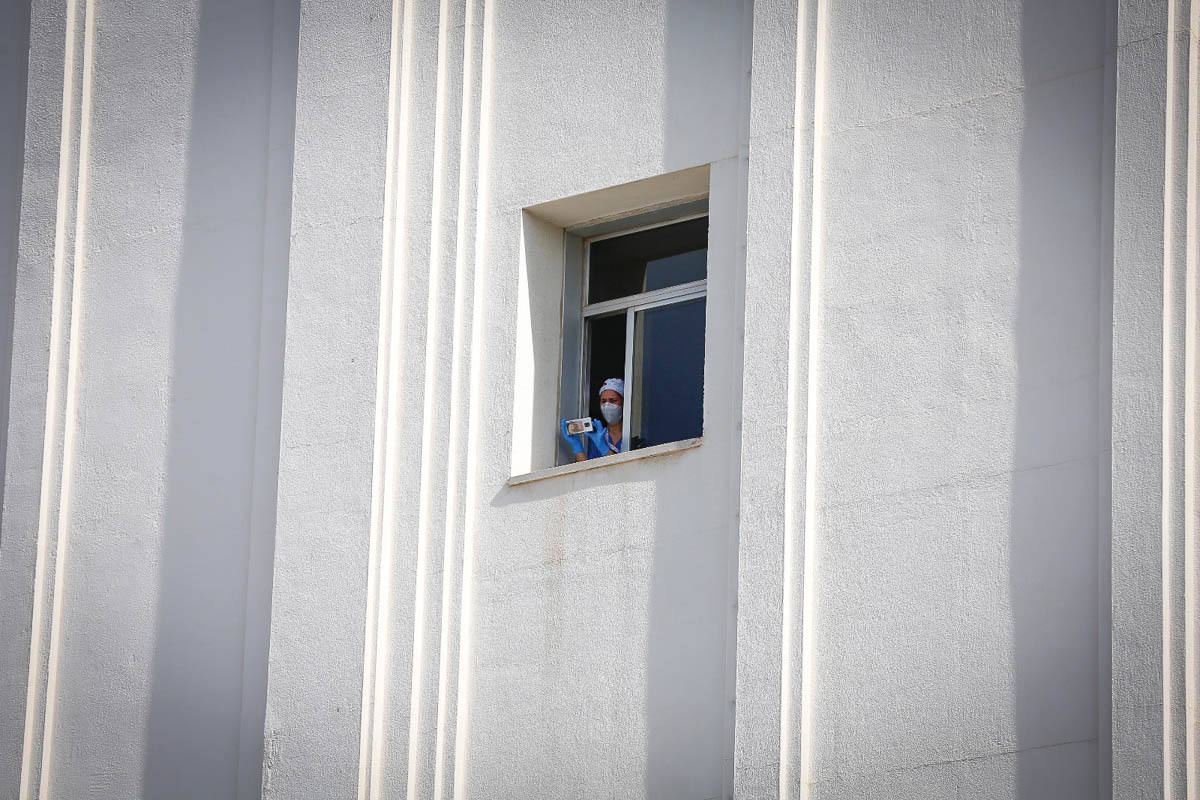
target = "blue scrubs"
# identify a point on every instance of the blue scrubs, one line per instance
(609, 446)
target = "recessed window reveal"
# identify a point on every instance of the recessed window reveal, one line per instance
(641, 362)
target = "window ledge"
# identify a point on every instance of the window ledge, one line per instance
(606, 461)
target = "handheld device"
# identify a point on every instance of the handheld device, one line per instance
(581, 425)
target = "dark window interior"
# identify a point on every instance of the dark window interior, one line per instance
(665, 397)
(606, 357)
(648, 260)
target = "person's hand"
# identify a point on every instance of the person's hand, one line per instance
(574, 442)
(597, 436)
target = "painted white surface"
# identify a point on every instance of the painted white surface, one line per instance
(958, 377)
(1155, 522)
(944, 412)
(146, 588)
(14, 50)
(621, 655)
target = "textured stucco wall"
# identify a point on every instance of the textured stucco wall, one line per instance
(139, 485)
(958, 454)
(1155, 411)
(951, 641)
(276, 275)
(942, 457)
(618, 676)
(14, 55)
(14, 50)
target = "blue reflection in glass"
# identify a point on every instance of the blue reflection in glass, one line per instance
(670, 394)
(676, 269)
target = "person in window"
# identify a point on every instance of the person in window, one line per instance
(605, 438)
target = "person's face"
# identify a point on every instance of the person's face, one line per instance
(609, 396)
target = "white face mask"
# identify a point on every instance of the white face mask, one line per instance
(611, 412)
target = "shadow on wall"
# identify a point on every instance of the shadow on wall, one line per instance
(14, 71)
(686, 650)
(702, 81)
(208, 690)
(14, 655)
(689, 632)
(687, 615)
(1057, 471)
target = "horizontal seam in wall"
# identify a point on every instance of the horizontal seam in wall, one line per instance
(1008, 90)
(966, 760)
(959, 481)
(1012, 90)
(1057, 382)
(1140, 40)
(594, 558)
(350, 222)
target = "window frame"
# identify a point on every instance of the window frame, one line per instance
(629, 305)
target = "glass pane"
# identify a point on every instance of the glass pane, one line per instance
(605, 358)
(648, 260)
(668, 374)
(676, 269)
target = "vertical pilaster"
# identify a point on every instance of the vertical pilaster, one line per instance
(44, 377)
(776, 536)
(1154, 490)
(405, 268)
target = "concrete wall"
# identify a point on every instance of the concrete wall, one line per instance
(1156, 302)
(140, 474)
(14, 50)
(941, 305)
(618, 585)
(948, 635)
(286, 322)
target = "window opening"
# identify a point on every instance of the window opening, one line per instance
(628, 264)
(605, 348)
(668, 374)
(643, 316)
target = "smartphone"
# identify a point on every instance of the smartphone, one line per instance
(581, 425)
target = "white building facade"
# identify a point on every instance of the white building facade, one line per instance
(290, 302)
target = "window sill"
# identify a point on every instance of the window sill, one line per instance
(606, 461)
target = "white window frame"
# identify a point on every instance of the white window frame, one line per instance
(630, 306)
